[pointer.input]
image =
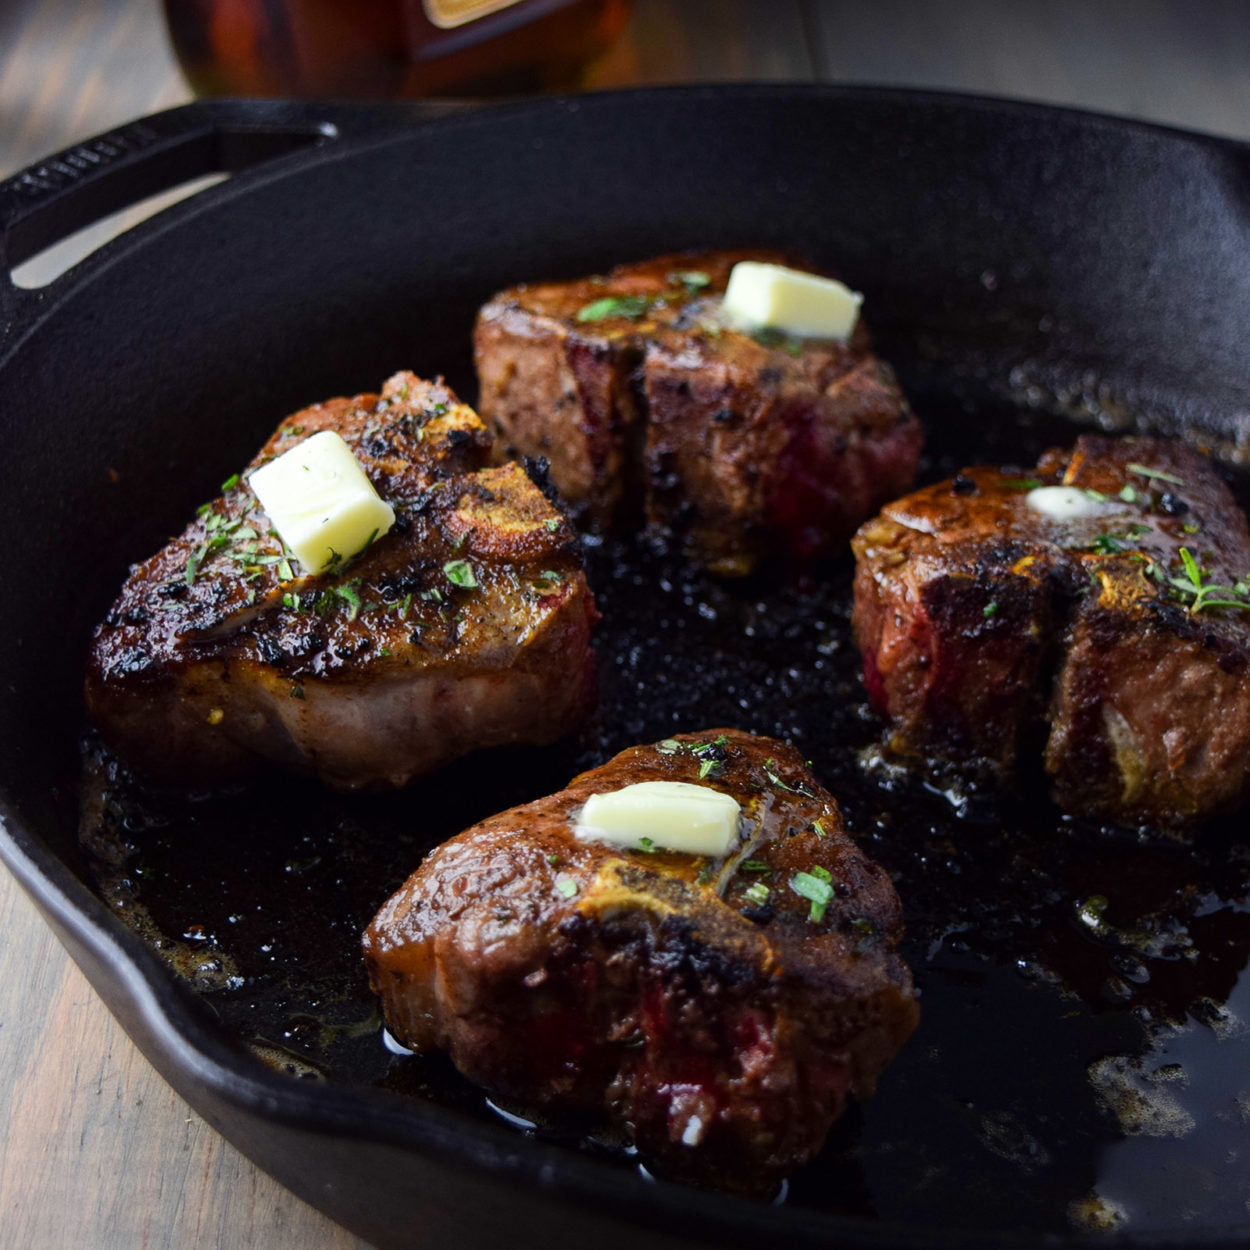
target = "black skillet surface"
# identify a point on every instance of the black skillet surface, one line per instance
(1081, 1057)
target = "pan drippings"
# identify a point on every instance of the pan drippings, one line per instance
(1084, 1034)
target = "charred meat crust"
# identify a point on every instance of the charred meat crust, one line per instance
(656, 989)
(988, 628)
(219, 658)
(740, 447)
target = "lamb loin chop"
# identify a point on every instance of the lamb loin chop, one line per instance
(717, 1011)
(650, 407)
(1097, 605)
(466, 625)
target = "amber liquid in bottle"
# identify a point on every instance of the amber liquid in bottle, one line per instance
(389, 48)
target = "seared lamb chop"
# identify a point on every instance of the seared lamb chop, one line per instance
(719, 1012)
(467, 625)
(644, 402)
(1124, 631)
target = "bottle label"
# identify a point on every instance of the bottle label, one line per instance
(448, 14)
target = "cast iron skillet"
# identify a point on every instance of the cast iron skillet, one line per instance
(1018, 262)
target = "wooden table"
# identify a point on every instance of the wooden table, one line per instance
(95, 1150)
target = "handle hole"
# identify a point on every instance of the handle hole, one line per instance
(48, 264)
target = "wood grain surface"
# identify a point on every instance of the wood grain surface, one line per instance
(96, 1151)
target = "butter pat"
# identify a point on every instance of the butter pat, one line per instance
(320, 501)
(797, 303)
(673, 815)
(1067, 503)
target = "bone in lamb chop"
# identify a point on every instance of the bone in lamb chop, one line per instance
(466, 625)
(1094, 609)
(717, 1010)
(741, 447)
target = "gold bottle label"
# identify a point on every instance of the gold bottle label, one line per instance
(448, 14)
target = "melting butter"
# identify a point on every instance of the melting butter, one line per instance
(668, 815)
(321, 503)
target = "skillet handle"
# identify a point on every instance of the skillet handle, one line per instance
(73, 189)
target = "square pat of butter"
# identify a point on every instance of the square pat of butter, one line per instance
(804, 304)
(321, 503)
(668, 815)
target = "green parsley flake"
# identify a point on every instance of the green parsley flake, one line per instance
(757, 893)
(566, 886)
(230, 483)
(669, 746)
(818, 829)
(634, 307)
(347, 592)
(693, 280)
(755, 865)
(990, 609)
(816, 890)
(770, 771)
(460, 573)
(1155, 474)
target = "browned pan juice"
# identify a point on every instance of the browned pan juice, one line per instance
(1083, 1056)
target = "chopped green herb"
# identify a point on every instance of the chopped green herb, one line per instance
(552, 524)
(818, 829)
(669, 746)
(552, 858)
(230, 483)
(567, 886)
(1203, 594)
(290, 599)
(1022, 483)
(755, 865)
(710, 768)
(403, 608)
(297, 692)
(440, 410)
(990, 609)
(347, 592)
(1155, 474)
(1190, 528)
(635, 307)
(1130, 494)
(647, 846)
(693, 280)
(817, 891)
(285, 572)
(757, 893)
(770, 771)
(823, 873)
(460, 573)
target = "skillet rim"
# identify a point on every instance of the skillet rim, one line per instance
(163, 1012)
